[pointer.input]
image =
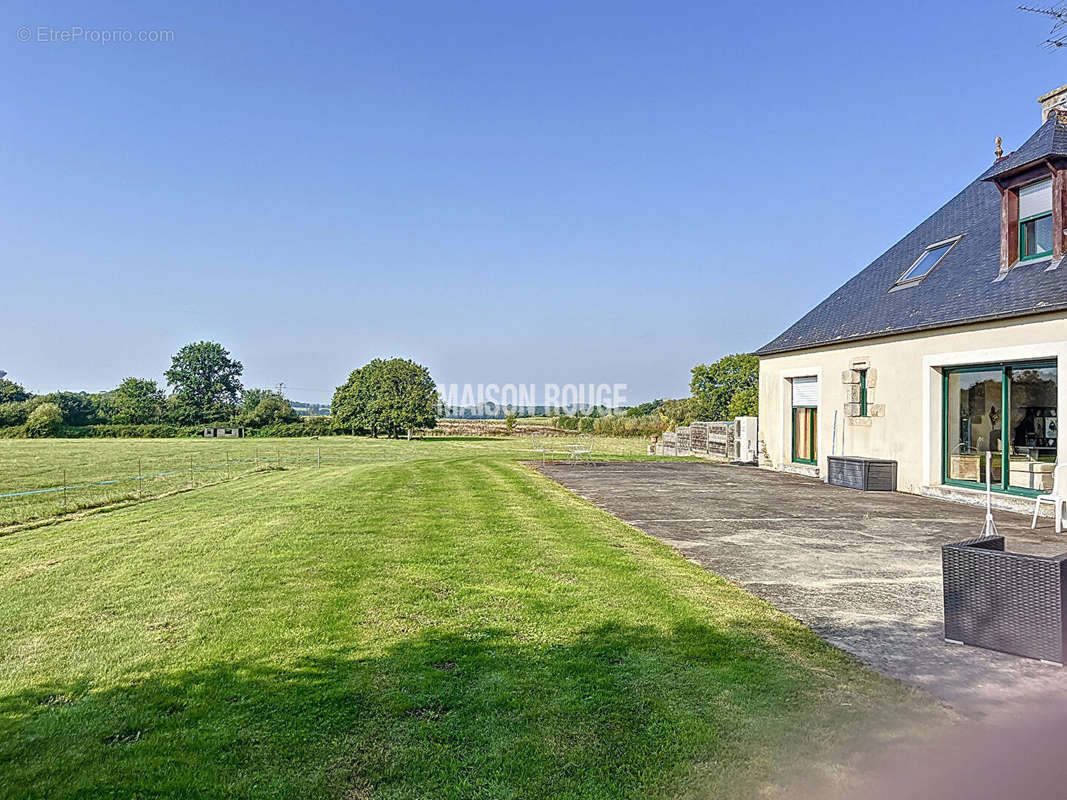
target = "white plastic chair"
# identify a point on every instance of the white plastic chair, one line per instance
(1058, 497)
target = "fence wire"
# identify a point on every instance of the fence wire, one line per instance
(38, 502)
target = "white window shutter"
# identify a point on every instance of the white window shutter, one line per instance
(805, 391)
(1035, 199)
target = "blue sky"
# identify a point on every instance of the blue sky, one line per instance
(506, 192)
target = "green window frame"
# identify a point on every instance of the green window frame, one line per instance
(863, 392)
(1004, 486)
(1022, 237)
(812, 425)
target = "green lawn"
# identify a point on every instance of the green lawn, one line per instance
(428, 620)
(103, 471)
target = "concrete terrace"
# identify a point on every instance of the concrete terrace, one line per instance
(862, 569)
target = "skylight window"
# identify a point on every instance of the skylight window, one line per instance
(926, 262)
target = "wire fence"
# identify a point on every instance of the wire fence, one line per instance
(33, 488)
(147, 477)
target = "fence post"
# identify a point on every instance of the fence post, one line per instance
(140, 479)
(190, 472)
(64, 489)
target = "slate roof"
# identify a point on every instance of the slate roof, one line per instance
(962, 288)
(1048, 140)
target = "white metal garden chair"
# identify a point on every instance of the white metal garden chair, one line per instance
(582, 450)
(539, 446)
(1058, 497)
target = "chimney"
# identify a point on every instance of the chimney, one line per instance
(1057, 98)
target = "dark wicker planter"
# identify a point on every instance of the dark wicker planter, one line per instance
(1003, 601)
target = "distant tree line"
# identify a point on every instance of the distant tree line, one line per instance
(204, 384)
(386, 397)
(722, 390)
(203, 387)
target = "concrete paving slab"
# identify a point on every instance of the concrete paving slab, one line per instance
(863, 569)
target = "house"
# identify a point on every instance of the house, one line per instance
(946, 347)
(223, 433)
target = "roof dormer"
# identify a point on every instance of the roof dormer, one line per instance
(1033, 190)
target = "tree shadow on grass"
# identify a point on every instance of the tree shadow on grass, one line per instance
(615, 712)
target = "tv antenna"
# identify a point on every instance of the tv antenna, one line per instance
(1057, 36)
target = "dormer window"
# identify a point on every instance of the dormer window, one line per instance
(1035, 220)
(925, 263)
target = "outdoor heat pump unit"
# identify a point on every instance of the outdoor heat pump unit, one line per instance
(745, 447)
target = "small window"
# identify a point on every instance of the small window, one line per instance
(1035, 237)
(1035, 220)
(926, 262)
(863, 393)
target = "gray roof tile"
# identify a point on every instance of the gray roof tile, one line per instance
(1048, 140)
(960, 289)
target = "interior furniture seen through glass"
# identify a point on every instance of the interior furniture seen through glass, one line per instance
(1022, 442)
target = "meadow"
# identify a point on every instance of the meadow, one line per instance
(405, 620)
(101, 472)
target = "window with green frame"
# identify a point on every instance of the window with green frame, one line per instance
(1001, 424)
(805, 434)
(863, 393)
(1035, 237)
(1035, 220)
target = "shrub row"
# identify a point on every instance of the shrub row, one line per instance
(156, 430)
(643, 425)
(614, 425)
(577, 424)
(314, 426)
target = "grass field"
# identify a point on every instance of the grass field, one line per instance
(424, 620)
(103, 471)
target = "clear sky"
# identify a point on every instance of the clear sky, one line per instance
(507, 192)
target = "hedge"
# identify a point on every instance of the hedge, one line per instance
(311, 426)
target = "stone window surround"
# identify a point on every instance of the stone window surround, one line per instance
(850, 379)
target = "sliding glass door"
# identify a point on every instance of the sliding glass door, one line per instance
(1032, 427)
(1008, 411)
(974, 399)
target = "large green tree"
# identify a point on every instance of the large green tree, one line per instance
(387, 397)
(78, 408)
(726, 389)
(11, 392)
(137, 401)
(45, 420)
(206, 382)
(261, 407)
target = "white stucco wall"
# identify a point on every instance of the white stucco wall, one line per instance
(908, 374)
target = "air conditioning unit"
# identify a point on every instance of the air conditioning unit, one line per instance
(745, 446)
